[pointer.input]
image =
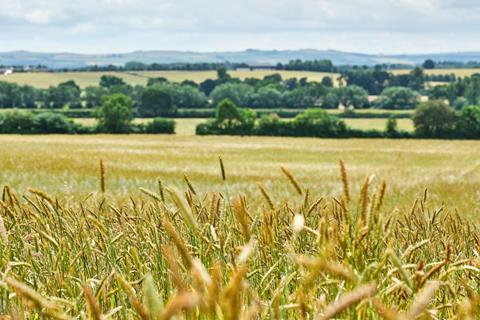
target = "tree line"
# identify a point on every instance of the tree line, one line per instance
(162, 98)
(432, 119)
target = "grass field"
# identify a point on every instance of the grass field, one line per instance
(84, 79)
(392, 235)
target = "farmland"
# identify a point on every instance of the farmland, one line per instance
(45, 79)
(242, 238)
(67, 164)
(457, 72)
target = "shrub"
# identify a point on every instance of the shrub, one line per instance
(318, 123)
(434, 119)
(271, 125)
(391, 129)
(49, 122)
(160, 125)
(24, 122)
(115, 114)
(21, 122)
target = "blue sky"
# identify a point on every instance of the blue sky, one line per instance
(370, 26)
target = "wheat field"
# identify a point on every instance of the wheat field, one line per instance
(83, 79)
(173, 227)
(460, 72)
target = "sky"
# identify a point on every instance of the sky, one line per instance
(367, 26)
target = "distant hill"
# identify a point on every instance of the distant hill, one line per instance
(73, 60)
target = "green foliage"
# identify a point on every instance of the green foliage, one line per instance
(24, 122)
(229, 120)
(238, 93)
(318, 123)
(15, 121)
(48, 122)
(460, 103)
(353, 97)
(331, 100)
(157, 80)
(160, 125)
(434, 119)
(65, 94)
(469, 122)
(15, 96)
(107, 81)
(115, 114)
(304, 96)
(187, 96)
(398, 98)
(429, 64)
(93, 96)
(156, 101)
(267, 97)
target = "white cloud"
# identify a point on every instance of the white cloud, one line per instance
(121, 25)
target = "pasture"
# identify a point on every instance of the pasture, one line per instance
(83, 79)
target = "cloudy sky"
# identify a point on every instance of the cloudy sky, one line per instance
(370, 26)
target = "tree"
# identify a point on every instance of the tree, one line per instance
(157, 80)
(187, 96)
(391, 129)
(156, 101)
(397, 98)
(107, 81)
(306, 96)
(115, 114)
(238, 93)
(207, 86)
(227, 113)
(353, 97)
(472, 89)
(331, 100)
(231, 119)
(66, 93)
(93, 96)
(267, 97)
(434, 119)
(469, 122)
(222, 74)
(429, 64)
(327, 82)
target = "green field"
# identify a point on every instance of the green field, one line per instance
(84, 79)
